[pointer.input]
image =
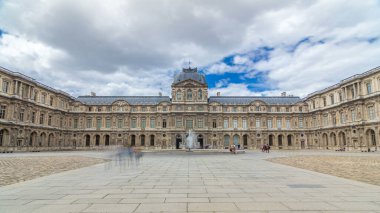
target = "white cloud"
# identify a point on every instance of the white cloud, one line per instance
(134, 47)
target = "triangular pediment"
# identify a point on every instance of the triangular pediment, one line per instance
(189, 83)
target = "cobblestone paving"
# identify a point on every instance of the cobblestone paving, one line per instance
(360, 168)
(17, 169)
(190, 182)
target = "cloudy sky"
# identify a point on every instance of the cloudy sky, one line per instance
(135, 47)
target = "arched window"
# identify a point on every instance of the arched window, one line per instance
(199, 94)
(189, 94)
(179, 95)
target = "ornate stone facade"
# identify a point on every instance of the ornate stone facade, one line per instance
(34, 116)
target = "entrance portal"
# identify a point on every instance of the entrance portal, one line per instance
(178, 141)
(200, 141)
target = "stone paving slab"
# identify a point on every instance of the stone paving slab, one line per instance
(191, 183)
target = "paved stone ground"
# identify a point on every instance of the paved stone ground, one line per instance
(361, 168)
(191, 182)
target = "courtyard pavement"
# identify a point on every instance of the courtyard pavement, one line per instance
(190, 182)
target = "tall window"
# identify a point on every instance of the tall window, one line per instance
(340, 97)
(51, 101)
(2, 112)
(244, 123)
(143, 123)
(49, 120)
(332, 99)
(42, 117)
(214, 123)
(189, 124)
(120, 123)
(324, 101)
(353, 115)
(235, 123)
(75, 123)
(258, 123)
(313, 104)
(163, 123)
(371, 113)
(43, 98)
(179, 95)
(89, 123)
(178, 122)
(189, 94)
(152, 122)
(300, 122)
(325, 120)
(225, 123)
(21, 117)
(342, 118)
(199, 94)
(5, 86)
(200, 123)
(33, 117)
(279, 123)
(369, 88)
(108, 122)
(287, 123)
(270, 125)
(98, 123)
(133, 123)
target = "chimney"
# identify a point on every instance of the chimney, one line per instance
(283, 94)
(93, 94)
(218, 94)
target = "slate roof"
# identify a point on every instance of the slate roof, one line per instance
(132, 100)
(245, 100)
(190, 73)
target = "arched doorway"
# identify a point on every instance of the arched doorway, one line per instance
(342, 139)
(178, 141)
(88, 140)
(371, 138)
(42, 139)
(51, 140)
(290, 140)
(333, 139)
(32, 139)
(236, 140)
(245, 141)
(97, 140)
(142, 140)
(133, 140)
(280, 140)
(226, 141)
(325, 140)
(107, 140)
(151, 140)
(200, 141)
(4, 137)
(271, 140)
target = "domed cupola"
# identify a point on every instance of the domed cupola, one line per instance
(189, 73)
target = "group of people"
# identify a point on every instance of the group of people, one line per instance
(265, 148)
(122, 157)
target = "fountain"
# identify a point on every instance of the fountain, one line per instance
(190, 140)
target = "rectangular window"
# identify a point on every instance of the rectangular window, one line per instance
(43, 98)
(214, 123)
(163, 123)
(225, 123)
(353, 115)
(2, 112)
(61, 122)
(33, 117)
(49, 120)
(21, 117)
(133, 123)
(99, 123)
(369, 88)
(189, 124)
(244, 123)
(200, 123)
(143, 123)
(287, 123)
(5, 86)
(108, 122)
(214, 108)
(235, 123)
(76, 123)
(224, 109)
(89, 123)
(371, 113)
(42, 117)
(332, 99)
(178, 123)
(152, 122)
(300, 109)
(300, 122)
(279, 123)
(325, 120)
(120, 123)
(342, 118)
(340, 97)
(258, 123)
(165, 108)
(51, 101)
(270, 125)
(324, 101)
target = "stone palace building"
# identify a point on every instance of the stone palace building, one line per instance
(34, 117)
